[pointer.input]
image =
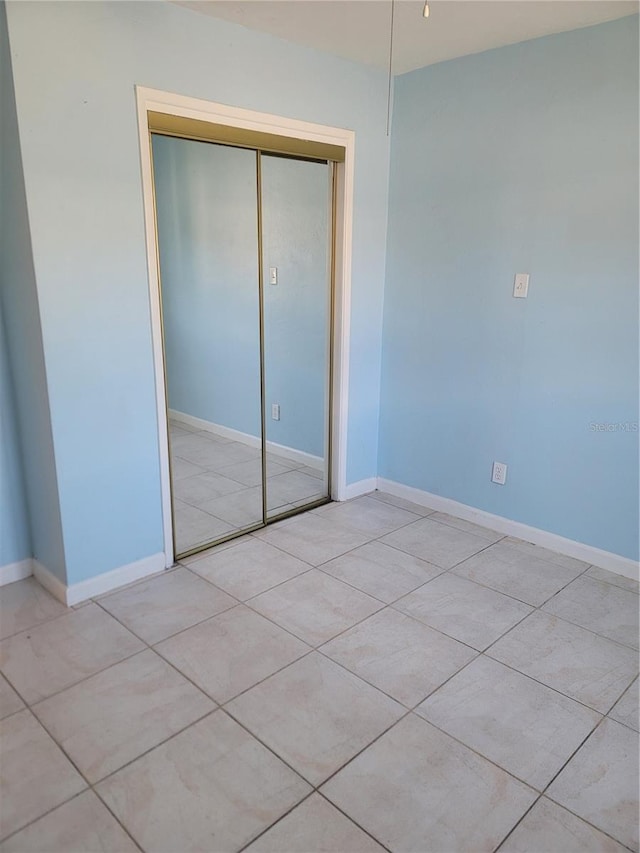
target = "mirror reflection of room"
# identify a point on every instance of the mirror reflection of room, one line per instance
(295, 239)
(227, 351)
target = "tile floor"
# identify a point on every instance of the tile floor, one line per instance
(217, 485)
(368, 676)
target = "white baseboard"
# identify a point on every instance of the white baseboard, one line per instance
(217, 429)
(116, 578)
(50, 582)
(355, 490)
(308, 459)
(578, 550)
(12, 572)
(300, 456)
(101, 584)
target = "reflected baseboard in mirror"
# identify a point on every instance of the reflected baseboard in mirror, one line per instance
(217, 485)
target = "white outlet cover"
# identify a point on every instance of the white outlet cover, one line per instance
(499, 473)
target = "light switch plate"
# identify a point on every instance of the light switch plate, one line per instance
(521, 285)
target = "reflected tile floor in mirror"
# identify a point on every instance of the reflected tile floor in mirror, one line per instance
(217, 485)
(367, 676)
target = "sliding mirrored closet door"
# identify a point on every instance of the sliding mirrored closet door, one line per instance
(207, 225)
(245, 270)
(297, 308)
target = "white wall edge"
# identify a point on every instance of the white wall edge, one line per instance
(155, 317)
(101, 584)
(301, 456)
(182, 105)
(578, 550)
(12, 572)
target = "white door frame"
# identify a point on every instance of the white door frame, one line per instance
(158, 101)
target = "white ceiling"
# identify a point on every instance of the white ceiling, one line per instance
(359, 29)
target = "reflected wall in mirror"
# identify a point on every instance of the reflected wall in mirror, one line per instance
(207, 224)
(296, 208)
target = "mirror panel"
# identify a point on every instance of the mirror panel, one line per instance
(207, 223)
(296, 224)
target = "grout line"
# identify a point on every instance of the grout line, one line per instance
(112, 773)
(370, 594)
(223, 703)
(276, 822)
(517, 823)
(215, 550)
(127, 763)
(625, 691)
(481, 755)
(262, 592)
(381, 689)
(548, 686)
(536, 607)
(589, 823)
(298, 637)
(20, 696)
(103, 596)
(539, 791)
(360, 751)
(175, 668)
(263, 743)
(575, 751)
(179, 631)
(75, 683)
(425, 511)
(544, 791)
(618, 643)
(561, 619)
(324, 574)
(353, 820)
(450, 636)
(446, 681)
(89, 786)
(324, 781)
(67, 612)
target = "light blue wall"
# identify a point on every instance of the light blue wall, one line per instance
(522, 159)
(75, 67)
(15, 538)
(24, 352)
(206, 202)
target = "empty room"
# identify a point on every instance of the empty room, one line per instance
(319, 426)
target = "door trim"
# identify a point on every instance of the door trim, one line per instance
(157, 101)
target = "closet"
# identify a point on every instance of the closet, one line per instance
(245, 234)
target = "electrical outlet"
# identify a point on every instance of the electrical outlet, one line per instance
(499, 473)
(275, 411)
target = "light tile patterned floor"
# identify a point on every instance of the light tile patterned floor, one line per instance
(217, 485)
(369, 676)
